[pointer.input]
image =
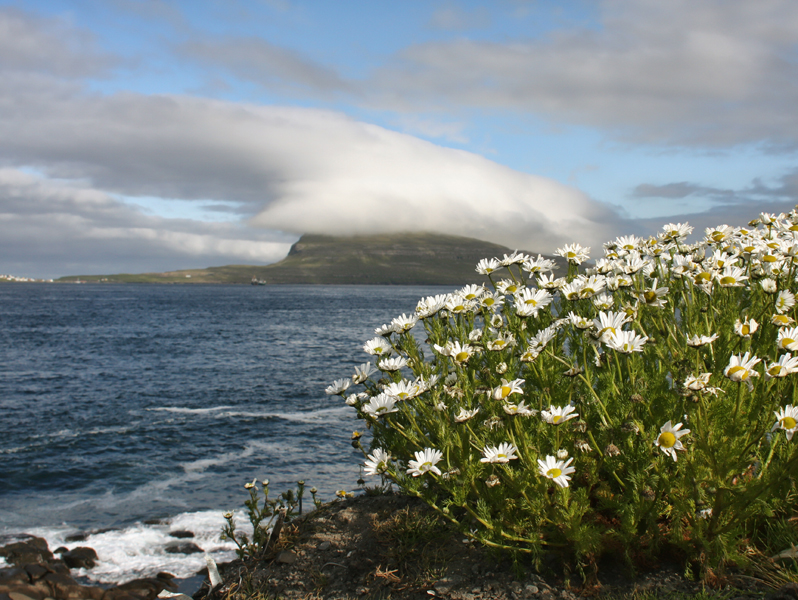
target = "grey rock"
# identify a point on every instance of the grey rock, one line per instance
(324, 546)
(182, 548)
(286, 557)
(181, 534)
(81, 557)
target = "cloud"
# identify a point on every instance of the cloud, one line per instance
(454, 18)
(48, 46)
(691, 72)
(261, 62)
(51, 228)
(678, 190)
(299, 170)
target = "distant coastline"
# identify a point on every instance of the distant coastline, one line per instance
(398, 259)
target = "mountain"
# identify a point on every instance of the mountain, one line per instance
(391, 259)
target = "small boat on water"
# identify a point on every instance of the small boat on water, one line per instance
(256, 281)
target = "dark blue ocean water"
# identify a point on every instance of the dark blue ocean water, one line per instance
(120, 403)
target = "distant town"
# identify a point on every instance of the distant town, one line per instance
(4, 278)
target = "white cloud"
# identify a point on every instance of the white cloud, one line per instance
(705, 72)
(51, 228)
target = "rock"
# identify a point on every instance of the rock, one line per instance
(445, 585)
(37, 571)
(12, 575)
(138, 589)
(182, 548)
(76, 537)
(33, 592)
(31, 550)
(286, 557)
(181, 534)
(63, 587)
(81, 557)
(788, 591)
(324, 546)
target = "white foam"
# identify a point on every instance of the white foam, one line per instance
(140, 550)
(312, 416)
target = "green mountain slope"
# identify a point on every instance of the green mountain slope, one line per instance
(396, 259)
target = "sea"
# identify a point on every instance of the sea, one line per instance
(131, 411)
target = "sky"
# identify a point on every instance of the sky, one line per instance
(152, 135)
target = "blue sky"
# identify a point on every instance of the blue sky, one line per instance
(148, 135)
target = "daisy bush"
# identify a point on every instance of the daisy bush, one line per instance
(641, 403)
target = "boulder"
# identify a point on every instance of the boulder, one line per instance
(181, 534)
(81, 557)
(30, 550)
(182, 548)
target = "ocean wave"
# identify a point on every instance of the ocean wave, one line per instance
(229, 412)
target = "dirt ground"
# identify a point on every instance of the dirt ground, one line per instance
(394, 547)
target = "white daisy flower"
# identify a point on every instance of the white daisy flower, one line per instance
(732, 277)
(787, 419)
(668, 439)
(503, 453)
(430, 305)
(393, 364)
(487, 266)
(557, 470)
(363, 372)
(746, 328)
(508, 286)
(558, 414)
(626, 341)
(528, 302)
(339, 386)
(579, 322)
(786, 365)
(676, 232)
(456, 304)
(472, 291)
(741, 368)
(549, 282)
(492, 301)
(788, 339)
(507, 388)
(539, 265)
(402, 390)
(607, 323)
(697, 341)
(603, 301)
(697, 382)
(784, 301)
(654, 296)
(574, 253)
(464, 415)
(404, 323)
(377, 462)
(380, 406)
(768, 285)
(425, 462)
(782, 320)
(377, 346)
(500, 342)
(520, 409)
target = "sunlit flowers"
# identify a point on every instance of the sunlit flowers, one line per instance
(556, 470)
(402, 390)
(784, 301)
(503, 453)
(460, 353)
(380, 406)
(575, 253)
(786, 365)
(745, 328)
(363, 372)
(425, 462)
(377, 346)
(741, 368)
(697, 382)
(668, 439)
(626, 341)
(608, 323)
(654, 296)
(377, 462)
(788, 339)
(338, 386)
(558, 414)
(520, 409)
(732, 277)
(393, 364)
(465, 414)
(507, 388)
(787, 419)
(529, 302)
(697, 341)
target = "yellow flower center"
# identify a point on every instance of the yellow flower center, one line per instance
(794, 228)
(488, 301)
(728, 280)
(736, 369)
(769, 258)
(532, 301)
(788, 423)
(745, 329)
(511, 289)
(775, 370)
(402, 395)
(650, 297)
(461, 356)
(554, 473)
(717, 236)
(748, 249)
(781, 319)
(499, 344)
(785, 342)
(701, 277)
(505, 391)
(458, 308)
(378, 349)
(572, 255)
(501, 456)
(667, 439)
(556, 419)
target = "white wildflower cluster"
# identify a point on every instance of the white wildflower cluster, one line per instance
(560, 372)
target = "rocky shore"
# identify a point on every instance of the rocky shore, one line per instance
(370, 547)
